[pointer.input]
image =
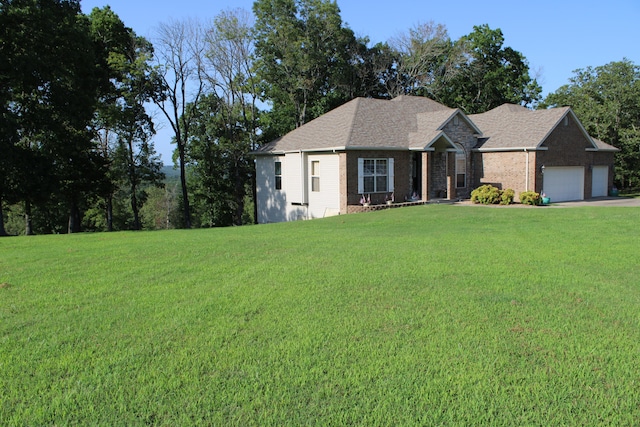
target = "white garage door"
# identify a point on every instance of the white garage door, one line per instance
(565, 183)
(599, 181)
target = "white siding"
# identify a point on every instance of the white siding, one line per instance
(599, 181)
(271, 202)
(326, 201)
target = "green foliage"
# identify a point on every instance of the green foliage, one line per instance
(490, 74)
(530, 198)
(122, 124)
(507, 196)
(239, 326)
(219, 163)
(305, 59)
(50, 86)
(486, 194)
(606, 99)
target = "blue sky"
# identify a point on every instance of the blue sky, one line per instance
(556, 37)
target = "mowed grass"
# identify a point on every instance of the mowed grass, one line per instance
(437, 315)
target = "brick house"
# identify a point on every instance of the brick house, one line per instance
(415, 149)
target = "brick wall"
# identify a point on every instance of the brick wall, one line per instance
(462, 134)
(507, 170)
(402, 176)
(566, 146)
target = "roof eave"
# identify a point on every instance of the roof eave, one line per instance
(607, 150)
(469, 122)
(575, 119)
(504, 149)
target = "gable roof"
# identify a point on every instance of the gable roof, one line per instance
(513, 127)
(417, 123)
(603, 146)
(365, 123)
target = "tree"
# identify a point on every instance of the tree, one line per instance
(231, 110)
(424, 60)
(180, 52)
(50, 88)
(490, 76)
(302, 60)
(607, 101)
(124, 127)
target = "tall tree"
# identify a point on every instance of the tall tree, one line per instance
(425, 60)
(212, 163)
(179, 52)
(607, 101)
(302, 53)
(491, 75)
(50, 90)
(131, 82)
(230, 72)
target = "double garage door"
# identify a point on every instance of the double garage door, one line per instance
(566, 183)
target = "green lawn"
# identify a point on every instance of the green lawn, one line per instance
(437, 315)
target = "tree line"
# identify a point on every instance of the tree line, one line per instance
(76, 90)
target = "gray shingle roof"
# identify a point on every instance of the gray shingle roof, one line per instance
(367, 123)
(512, 126)
(603, 146)
(411, 122)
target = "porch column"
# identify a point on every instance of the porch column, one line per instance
(426, 158)
(451, 176)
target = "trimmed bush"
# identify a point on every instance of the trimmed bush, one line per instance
(507, 196)
(486, 194)
(529, 198)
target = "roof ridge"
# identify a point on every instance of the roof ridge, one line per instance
(358, 102)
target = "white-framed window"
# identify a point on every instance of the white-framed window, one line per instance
(461, 166)
(315, 175)
(278, 175)
(375, 175)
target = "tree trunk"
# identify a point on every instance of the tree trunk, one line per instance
(239, 190)
(254, 193)
(183, 183)
(28, 225)
(134, 188)
(3, 232)
(109, 212)
(74, 218)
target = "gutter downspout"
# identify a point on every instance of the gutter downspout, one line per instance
(526, 179)
(302, 177)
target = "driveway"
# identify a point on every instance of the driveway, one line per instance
(600, 201)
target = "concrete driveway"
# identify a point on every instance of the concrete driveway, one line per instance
(600, 201)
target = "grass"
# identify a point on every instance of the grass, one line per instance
(438, 315)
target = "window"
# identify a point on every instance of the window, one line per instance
(375, 175)
(461, 167)
(315, 175)
(278, 174)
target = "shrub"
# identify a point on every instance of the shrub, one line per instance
(507, 196)
(529, 198)
(486, 194)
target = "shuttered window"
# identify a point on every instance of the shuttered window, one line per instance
(375, 175)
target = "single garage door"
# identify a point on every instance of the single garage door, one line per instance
(564, 183)
(599, 181)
